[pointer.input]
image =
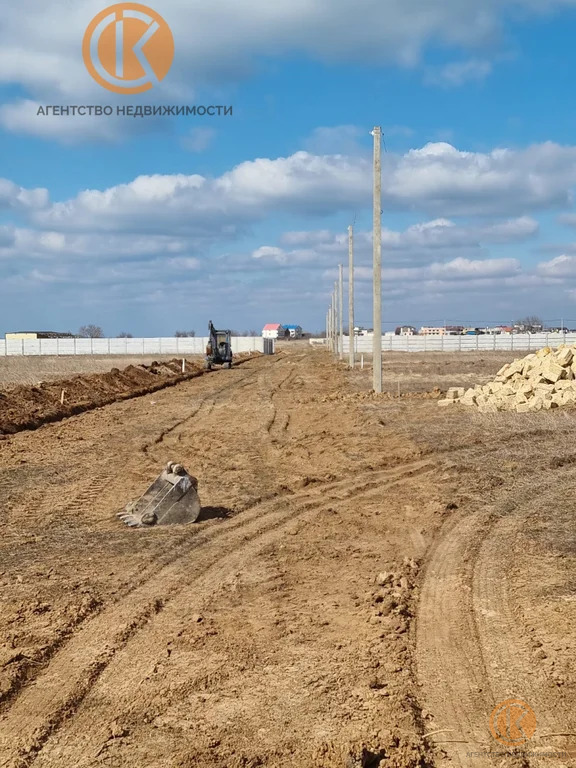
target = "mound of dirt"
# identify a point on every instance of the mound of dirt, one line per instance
(539, 381)
(28, 407)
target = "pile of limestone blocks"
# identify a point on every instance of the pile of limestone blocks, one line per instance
(537, 382)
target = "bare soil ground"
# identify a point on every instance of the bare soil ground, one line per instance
(370, 576)
(17, 370)
(29, 407)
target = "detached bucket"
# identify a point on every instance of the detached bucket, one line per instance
(172, 499)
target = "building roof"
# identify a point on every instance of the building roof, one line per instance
(293, 327)
(272, 327)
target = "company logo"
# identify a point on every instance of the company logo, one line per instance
(128, 48)
(512, 722)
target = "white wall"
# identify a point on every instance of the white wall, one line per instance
(159, 346)
(521, 341)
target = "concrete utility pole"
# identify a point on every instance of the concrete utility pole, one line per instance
(341, 303)
(337, 318)
(351, 355)
(330, 316)
(377, 258)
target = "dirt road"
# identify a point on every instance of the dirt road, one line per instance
(348, 590)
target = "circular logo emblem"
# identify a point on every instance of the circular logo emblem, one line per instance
(128, 48)
(512, 722)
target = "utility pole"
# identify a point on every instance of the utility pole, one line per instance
(351, 355)
(336, 319)
(331, 316)
(377, 259)
(331, 344)
(341, 304)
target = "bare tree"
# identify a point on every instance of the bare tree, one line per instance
(91, 332)
(529, 324)
(185, 334)
(124, 335)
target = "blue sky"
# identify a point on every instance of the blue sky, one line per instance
(152, 226)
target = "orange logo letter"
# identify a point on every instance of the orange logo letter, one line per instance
(128, 48)
(512, 722)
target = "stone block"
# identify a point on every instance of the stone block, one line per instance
(527, 388)
(564, 357)
(553, 372)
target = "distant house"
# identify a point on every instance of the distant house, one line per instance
(38, 335)
(433, 331)
(295, 331)
(521, 328)
(405, 330)
(274, 331)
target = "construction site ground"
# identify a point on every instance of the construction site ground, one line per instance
(370, 577)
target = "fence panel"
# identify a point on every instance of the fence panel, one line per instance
(499, 342)
(149, 346)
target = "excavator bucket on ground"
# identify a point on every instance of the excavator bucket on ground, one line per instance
(172, 499)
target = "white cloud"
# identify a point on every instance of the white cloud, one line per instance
(49, 245)
(437, 180)
(441, 178)
(269, 252)
(22, 117)
(425, 238)
(459, 269)
(40, 44)
(561, 266)
(459, 72)
(20, 199)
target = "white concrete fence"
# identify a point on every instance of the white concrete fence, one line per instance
(524, 342)
(160, 346)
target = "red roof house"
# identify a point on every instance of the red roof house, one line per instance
(273, 331)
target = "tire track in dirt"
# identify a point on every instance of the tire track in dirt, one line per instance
(214, 395)
(43, 705)
(509, 661)
(268, 395)
(447, 644)
(143, 649)
(91, 495)
(471, 650)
